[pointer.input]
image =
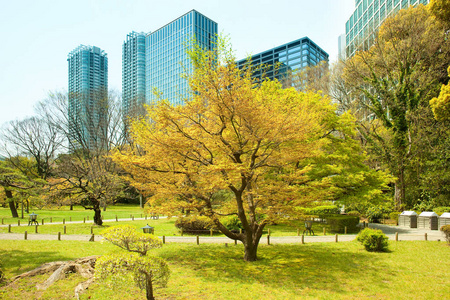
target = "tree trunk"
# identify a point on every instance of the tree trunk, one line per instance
(97, 213)
(12, 205)
(149, 287)
(399, 194)
(251, 242)
(251, 250)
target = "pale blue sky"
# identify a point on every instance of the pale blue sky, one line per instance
(36, 36)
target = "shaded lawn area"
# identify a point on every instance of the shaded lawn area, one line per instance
(411, 270)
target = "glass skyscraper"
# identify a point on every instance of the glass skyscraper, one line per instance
(88, 94)
(166, 59)
(278, 62)
(362, 25)
(133, 74)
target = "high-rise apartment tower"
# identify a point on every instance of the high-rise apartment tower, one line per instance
(133, 74)
(88, 92)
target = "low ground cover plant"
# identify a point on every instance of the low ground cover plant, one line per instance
(373, 240)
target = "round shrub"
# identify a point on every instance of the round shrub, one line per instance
(194, 224)
(354, 213)
(373, 240)
(446, 230)
(339, 222)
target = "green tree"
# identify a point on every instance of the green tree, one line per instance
(146, 271)
(394, 80)
(441, 104)
(256, 140)
(15, 182)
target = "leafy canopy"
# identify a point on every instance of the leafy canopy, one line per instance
(126, 237)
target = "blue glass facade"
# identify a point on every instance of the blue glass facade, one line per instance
(276, 63)
(88, 92)
(166, 59)
(362, 25)
(133, 73)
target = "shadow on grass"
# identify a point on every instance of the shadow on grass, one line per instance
(296, 267)
(18, 261)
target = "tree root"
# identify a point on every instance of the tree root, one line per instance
(83, 266)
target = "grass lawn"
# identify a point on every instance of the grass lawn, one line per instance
(411, 270)
(162, 226)
(78, 213)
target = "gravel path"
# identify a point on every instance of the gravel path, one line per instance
(404, 234)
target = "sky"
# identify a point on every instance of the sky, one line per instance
(36, 36)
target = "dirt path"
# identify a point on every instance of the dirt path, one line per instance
(404, 234)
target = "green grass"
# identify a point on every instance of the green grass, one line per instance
(162, 227)
(411, 270)
(77, 214)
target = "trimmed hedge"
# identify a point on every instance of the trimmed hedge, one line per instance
(373, 240)
(339, 222)
(194, 224)
(323, 210)
(354, 213)
(446, 230)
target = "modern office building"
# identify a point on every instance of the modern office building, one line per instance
(154, 65)
(278, 62)
(133, 74)
(167, 60)
(362, 25)
(88, 92)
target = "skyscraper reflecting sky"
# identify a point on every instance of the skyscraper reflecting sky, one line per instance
(88, 92)
(167, 60)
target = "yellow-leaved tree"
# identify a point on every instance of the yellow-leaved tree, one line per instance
(255, 142)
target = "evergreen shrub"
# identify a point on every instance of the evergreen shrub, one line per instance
(194, 224)
(324, 210)
(446, 230)
(354, 213)
(373, 240)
